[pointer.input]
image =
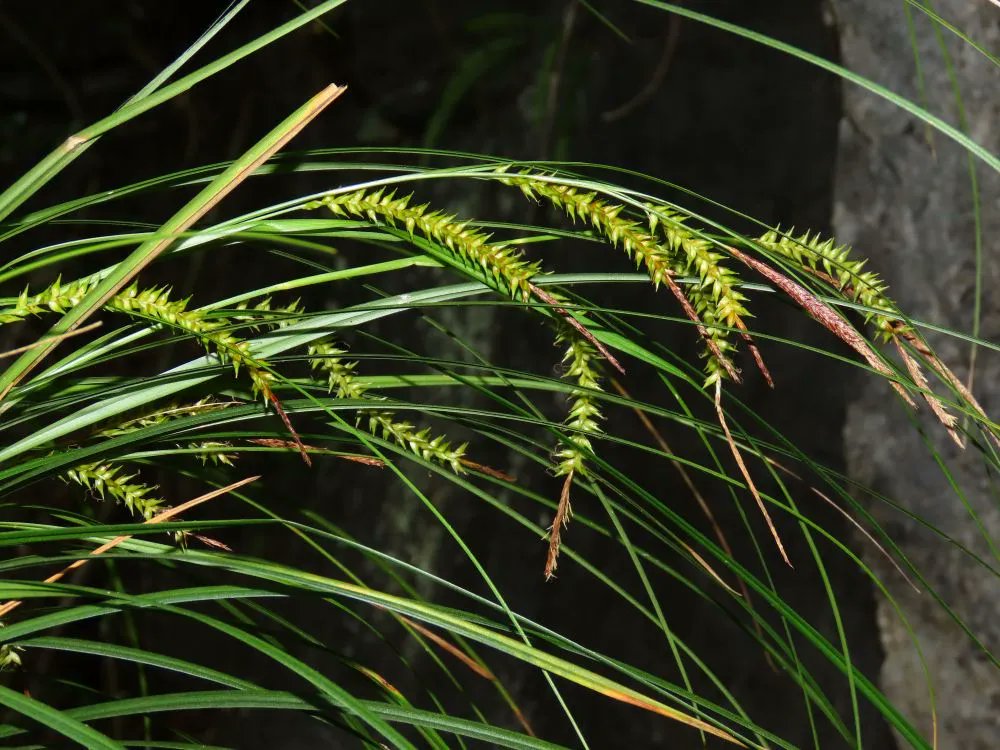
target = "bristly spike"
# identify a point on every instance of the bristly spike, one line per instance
(680, 250)
(343, 380)
(505, 271)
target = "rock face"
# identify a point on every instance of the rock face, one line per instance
(905, 198)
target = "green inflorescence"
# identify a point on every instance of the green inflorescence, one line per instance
(716, 297)
(582, 366)
(499, 265)
(342, 380)
(152, 304)
(715, 302)
(109, 481)
(844, 273)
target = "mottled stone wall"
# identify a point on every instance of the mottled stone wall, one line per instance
(907, 201)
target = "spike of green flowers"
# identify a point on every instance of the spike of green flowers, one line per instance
(846, 274)
(58, 298)
(156, 304)
(152, 304)
(500, 266)
(107, 480)
(716, 297)
(340, 374)
(342, 379)
(582, 365)
(417, 440)
(604, 216)
(662, 261)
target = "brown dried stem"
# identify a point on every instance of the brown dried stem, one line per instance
(564, 512)
(746, 474)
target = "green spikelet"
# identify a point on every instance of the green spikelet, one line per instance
(583, 421)
(152, 304)
(602, 215)
(833, 263)
(214, 452)
(340, 375)
(342, 380)
(661, 260)
(500, 266)
(417, 440)
(108, 481)
(156, 304)
(208, 451)
(716, 297)
(161, 415)
(10, 659)
(58, 298)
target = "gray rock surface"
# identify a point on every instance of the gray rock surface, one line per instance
(905, 199)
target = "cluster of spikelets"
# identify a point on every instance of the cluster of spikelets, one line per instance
(343, 381)
(505, 270)
(500, 266)
(711, 304)
(715, 295)
(669, 248)
(155, 304)
(108, 480)
(656, 237)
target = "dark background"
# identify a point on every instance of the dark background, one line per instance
(750, 128)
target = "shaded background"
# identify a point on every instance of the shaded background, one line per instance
(751, 128)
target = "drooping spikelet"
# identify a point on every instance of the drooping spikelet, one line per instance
(716, 296)
(583, 420)
(109, 481)
(342, 379)
(661, 260)
(499, 265)
(832, 263)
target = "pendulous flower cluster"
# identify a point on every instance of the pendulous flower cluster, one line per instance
(342, 379)
(500, 266)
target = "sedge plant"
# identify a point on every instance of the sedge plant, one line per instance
(128, 381)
